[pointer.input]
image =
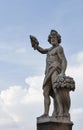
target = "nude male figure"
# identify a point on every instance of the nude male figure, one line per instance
(55, 67)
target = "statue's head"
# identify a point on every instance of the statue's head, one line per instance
(54, 35)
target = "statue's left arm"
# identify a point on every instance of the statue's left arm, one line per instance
(63, 60)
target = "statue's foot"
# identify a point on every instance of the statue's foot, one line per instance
(60, 115)
(54, 114)
(66, 114)
(63, 115)
(44, 115)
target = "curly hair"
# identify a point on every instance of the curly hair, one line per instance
(56, 33)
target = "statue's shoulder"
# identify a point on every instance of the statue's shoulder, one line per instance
(59, 48)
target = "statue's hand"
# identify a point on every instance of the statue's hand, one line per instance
(34, 42)
(61, 75)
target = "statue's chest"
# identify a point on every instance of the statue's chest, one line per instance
(52, 52)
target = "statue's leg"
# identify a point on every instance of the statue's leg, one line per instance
(46, 92)
(56, 109)
(56, 105)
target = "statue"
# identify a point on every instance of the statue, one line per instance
(56, 84)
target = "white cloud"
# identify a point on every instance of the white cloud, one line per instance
(22, 105)
(35, 83)
(6, 119)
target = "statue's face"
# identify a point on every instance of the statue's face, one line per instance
(54, 39)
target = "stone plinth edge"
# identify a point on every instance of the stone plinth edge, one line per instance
(41, 120)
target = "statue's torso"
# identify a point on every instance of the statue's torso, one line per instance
(52, 57)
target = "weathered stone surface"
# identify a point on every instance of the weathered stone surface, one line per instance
(53, 119)
(56, 84)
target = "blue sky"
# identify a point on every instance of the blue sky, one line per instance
(22, 68)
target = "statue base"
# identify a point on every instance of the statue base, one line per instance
(51, 123)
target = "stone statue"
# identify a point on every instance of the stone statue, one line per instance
(56, 84)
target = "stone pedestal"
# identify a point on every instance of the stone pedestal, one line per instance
(53, 124)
